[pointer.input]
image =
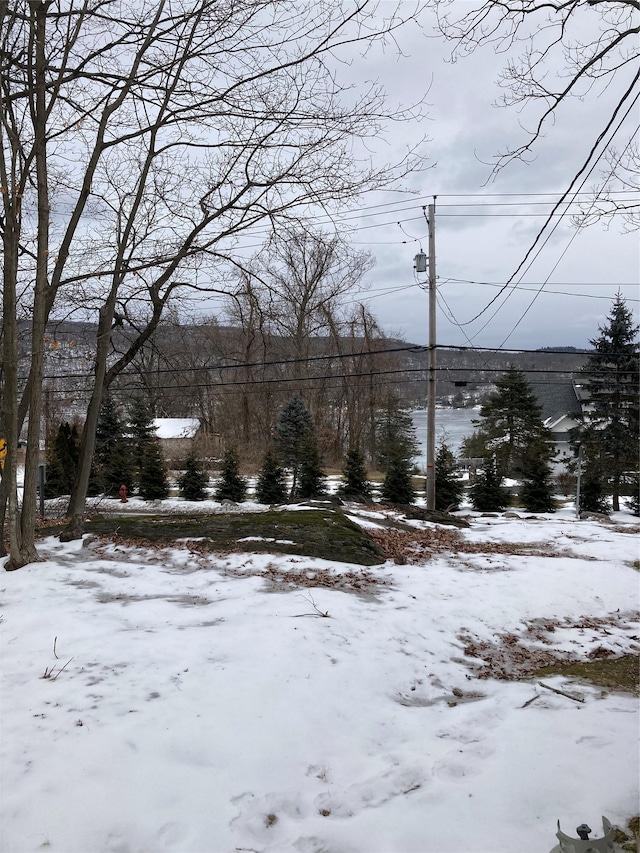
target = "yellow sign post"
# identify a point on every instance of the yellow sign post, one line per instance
(3, 452)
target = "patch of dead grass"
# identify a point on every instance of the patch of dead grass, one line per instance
(511, 656)
(416, 546)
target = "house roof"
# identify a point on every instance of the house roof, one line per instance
(557, 399)
(176, 427)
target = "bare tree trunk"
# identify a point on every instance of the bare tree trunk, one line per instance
(29, 553)
(75, 527)
(10, 395)
(11, 199)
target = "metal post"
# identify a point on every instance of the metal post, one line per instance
(431, 385)
(578, 479)
(41, 479)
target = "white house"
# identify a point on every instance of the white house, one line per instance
(561, 412)
(177, 436)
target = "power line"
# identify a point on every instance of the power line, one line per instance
(451, 279)
(589, 164)
(401, 372)
(408, 348)
(576, 231)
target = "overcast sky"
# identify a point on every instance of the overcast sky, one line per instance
(484, 230)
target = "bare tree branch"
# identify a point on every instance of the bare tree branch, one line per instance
(586, 47)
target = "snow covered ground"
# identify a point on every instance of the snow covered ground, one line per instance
(192, 704)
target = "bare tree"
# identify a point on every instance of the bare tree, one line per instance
(305, 276)
(23, 168)
(290, 309)
(144, 138)
(356, 391)
(558, 51)
(291, 325)
(617, 194)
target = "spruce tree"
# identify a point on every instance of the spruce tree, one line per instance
(396, 446)
(112, 462)
(397, 487)
(62, 461)
(141, 434)
(395, 433)
(231, 487)
(449, 488)
(510, 427)
(487, 492)
(355, 485)
(56, 482)
(612, 417)
(153, 484)
(193, 482)
(536, 494)
(311, 481)
(294, 435)
(593, 495)
(271, 487)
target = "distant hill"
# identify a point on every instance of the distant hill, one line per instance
(563, 349)
(473, 370)
(465, 372)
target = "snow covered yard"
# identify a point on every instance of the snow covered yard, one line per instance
(197, 703)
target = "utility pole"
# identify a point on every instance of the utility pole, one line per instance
(431, 384)
(420, 265)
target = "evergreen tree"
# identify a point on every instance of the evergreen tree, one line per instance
(62, 461)
(611, 378)
(510, 426)
(56, 482)
(396, 446)
(395, 434)
(487, 492)
(311, 482)
(272, 486)
(294, 435)
(141, 435)
(355, 485)
(193, 482)
(112, 462)
(449, 488)
(231, 487)
(537, 490)
(593, 496)
(397, 487)
(153, 484)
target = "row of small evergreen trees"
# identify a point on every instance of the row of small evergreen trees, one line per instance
(127, 453)
(295, 450)
(513, 441)
(510, 437)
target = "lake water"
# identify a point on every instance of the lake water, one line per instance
(452, 425)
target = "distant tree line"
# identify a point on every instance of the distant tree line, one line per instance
(510, 438)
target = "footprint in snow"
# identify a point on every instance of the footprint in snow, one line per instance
(170, 835)
(262, 817)
(346, 801)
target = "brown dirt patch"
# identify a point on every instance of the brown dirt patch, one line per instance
(416, 546)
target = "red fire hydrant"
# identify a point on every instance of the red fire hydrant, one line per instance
(123, 494)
